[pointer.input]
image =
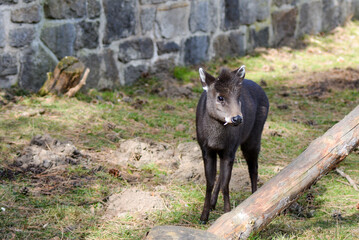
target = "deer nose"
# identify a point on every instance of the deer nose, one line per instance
(237, 120)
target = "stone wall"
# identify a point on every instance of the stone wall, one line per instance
(122, 39)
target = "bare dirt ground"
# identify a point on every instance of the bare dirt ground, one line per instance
(44, 153)
(133, 201)
(318, 84)
(47, 158)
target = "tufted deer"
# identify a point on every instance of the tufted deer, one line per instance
(230, 113)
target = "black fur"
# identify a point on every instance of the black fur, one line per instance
(215, 138)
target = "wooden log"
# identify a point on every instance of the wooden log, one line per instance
(66, 75)
(253, 214)
(322, 155)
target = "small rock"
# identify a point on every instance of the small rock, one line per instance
(310, 123)
(282, 106)
(294, 66)
(275, 134)
(33, 113)
(341, 59)
(127, 99)
(139, 103)
(113, 137)
(310, 198)
(168, 107)
(310, 214)
(337, 215)
(181, 128)
(263, 83)
(296, 209)
(92, 210)
(46, 164)
(139, 92)
(109, 126)
(268, 68)
(25, 191)
(285, 94)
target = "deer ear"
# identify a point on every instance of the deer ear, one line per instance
(206, 79)
(241, 72)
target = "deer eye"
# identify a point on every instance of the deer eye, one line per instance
(220, 98)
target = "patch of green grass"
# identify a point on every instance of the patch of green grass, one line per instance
(185, 74)
(152, 168)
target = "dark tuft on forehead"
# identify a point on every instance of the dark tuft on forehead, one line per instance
(227, 82)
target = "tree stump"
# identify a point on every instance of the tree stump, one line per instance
(66, 76)
(253, 214)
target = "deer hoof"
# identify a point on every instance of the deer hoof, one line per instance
(202, 222)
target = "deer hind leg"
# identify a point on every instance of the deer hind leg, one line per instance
(251, 156)
(252, 146)
(250, 150)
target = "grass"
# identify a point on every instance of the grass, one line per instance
(98, 121)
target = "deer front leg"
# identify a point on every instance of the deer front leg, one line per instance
(226, 166)
(215, 194)
(210, 169)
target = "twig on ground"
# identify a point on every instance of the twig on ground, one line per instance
(75, 89)
(344, 182)
(350, 180)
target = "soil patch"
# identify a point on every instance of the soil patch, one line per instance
(133, 201)
(190, 166)
(137, 153)
(318, 84)
(47, 160)
(134, 175)
(57, 182)
(183, 164)
(44, 153)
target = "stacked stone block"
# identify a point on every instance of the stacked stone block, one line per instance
(121, 40)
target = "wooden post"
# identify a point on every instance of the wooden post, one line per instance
(322, 155)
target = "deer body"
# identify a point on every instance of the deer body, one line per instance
(231, 112)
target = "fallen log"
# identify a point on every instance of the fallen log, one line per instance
(253, 214)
